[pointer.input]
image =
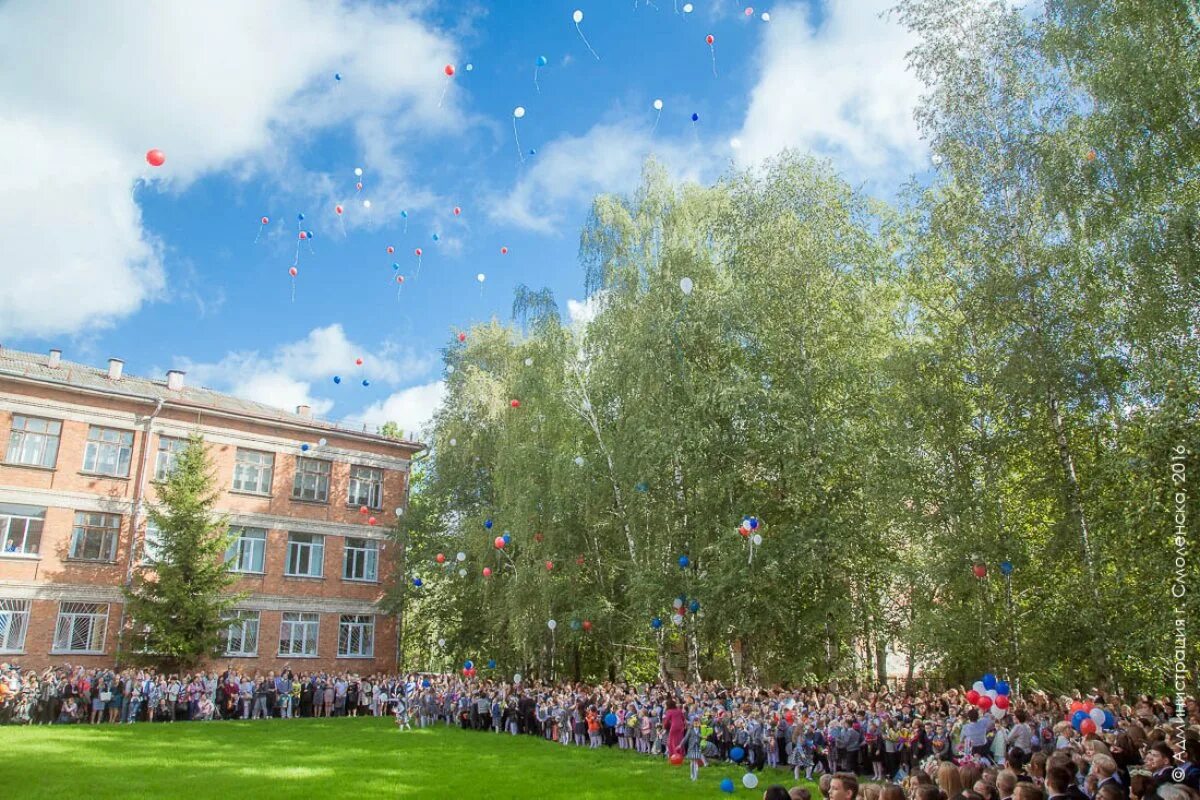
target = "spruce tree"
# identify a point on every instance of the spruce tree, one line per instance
(175, 604)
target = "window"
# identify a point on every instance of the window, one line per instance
(34, 442)
(240, 636)
(356, 636)
(252, 471)
(151, 544)
(298, 634)
(248, 551)
(168, 449)
(366, 487)
(361, 560)
(21, 529)
(95, 536)
(305, 555)
(312, 480)
(81, 627)
(14, 621)
(108, 452)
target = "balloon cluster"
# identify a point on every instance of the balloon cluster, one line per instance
(1087, 718)
(990, 695)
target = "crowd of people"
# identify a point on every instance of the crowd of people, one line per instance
(912, 745)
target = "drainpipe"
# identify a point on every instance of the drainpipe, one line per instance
(403, 560)
(139, 492)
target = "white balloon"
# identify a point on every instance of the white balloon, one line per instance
(529, 362)
(687, 8)
(979, 687)
(481, 277)
(936, 159)
(323, 442)
(735, 143)
(552, 624)
(441, 642)
(658, 105)
(991, 693)
(677, 603)
(677, 619)
(766, 17)
(756, 538)
(997, 712)
(577, 16)
(579, 461)
(470, 67)
(366, 203)
(685, 285)
(462, 573)
(450, 368)
(453, 442)
(358, 171)
(519, 112)
(749, 780)
(399, 512)
(461, 556)
(517, 678)
(1097, 716)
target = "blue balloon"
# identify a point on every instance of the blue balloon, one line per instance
(468, 664)
(417, 582)
(487, 524)
(506, 538)
(989, 681)
(300, 217)
(1002, 687)
(684, 561)
(656, 623)
(754, 523)
(695, 117)
(1006, 567)
(737, 754)
(727, 785)
(437, 238)
(337, 76)
(395, 266)
(1110, 722)
(1077, 718)
(542, 61)
(337, 378)
(310, 235)
(532, 152)
(304, 448)
(491, 663)
(575, 625)
(426, 683)
(404, 214)
(366, 382)
(694, 606)
(610, 719)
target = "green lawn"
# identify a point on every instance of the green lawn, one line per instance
(363, 759)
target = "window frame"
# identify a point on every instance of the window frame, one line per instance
(149, 554)
(298, 550)
(93, 447)
(301, 621)
(17, 440)
(364, 555)
(239, 557)
(9, 512)
(374, 486)
(364, 624)
(259, 468)
(243, 619)
(174, 446)
(17, 612)
(105, 531)
(74, 611)
(301, 475)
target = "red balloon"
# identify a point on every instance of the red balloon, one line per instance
(462, 337)
(337, 209)
(156, 157)
(449, 70)
(515, 403)
(1001, 701)
(710, 38)
(744, 531)
(537, 537)
(265, 220)
(303, 235)
(1087, 706)
(399, 279)
(391, 249)
(972, 697)
(363, 510)
(358, 362)
(293, 271)
(417, 252)
(457, 211)
(1076, 706)
(985, 702)
(587, 624)
(1091, 155)
(358, 186)
(980, 571)
(499, 542)
(503, 251)
(441, 558)
(749, 11)
(372, 521)
(549, 565)
(676, 759)
(1087, 727)
(487, 572)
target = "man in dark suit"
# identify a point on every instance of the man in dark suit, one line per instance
(1105, 769)
(1059, 782)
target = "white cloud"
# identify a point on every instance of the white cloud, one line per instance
(581, 312)
(285, 378)
(412, 408)
(569, 171)
(840, 89)
(217, 85)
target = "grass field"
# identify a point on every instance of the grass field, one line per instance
(360, 758)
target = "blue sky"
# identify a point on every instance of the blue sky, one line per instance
(108, 257)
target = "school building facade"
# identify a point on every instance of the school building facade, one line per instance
(308, 502)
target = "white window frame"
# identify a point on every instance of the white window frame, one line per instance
(169, 448)
(109, 534)
(14, 624)
(109, 452)
(15, 523)
(360, 556)
(33, 448)
(246, 625)
(311, 481)
(94, 616)
(365, 487)
(258, 464)
(151, 543)
(299, 634)
(356, 636)
(310, 554)
(250, 542)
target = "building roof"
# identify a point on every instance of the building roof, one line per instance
(68, 374)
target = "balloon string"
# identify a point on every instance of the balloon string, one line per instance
(713, 51)
(417, 274)
(657, 117)
(260, 230)
(585, 41)
(536, 85)
(445, 89)
(517, 138)
(342, 222)
(293, 290)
